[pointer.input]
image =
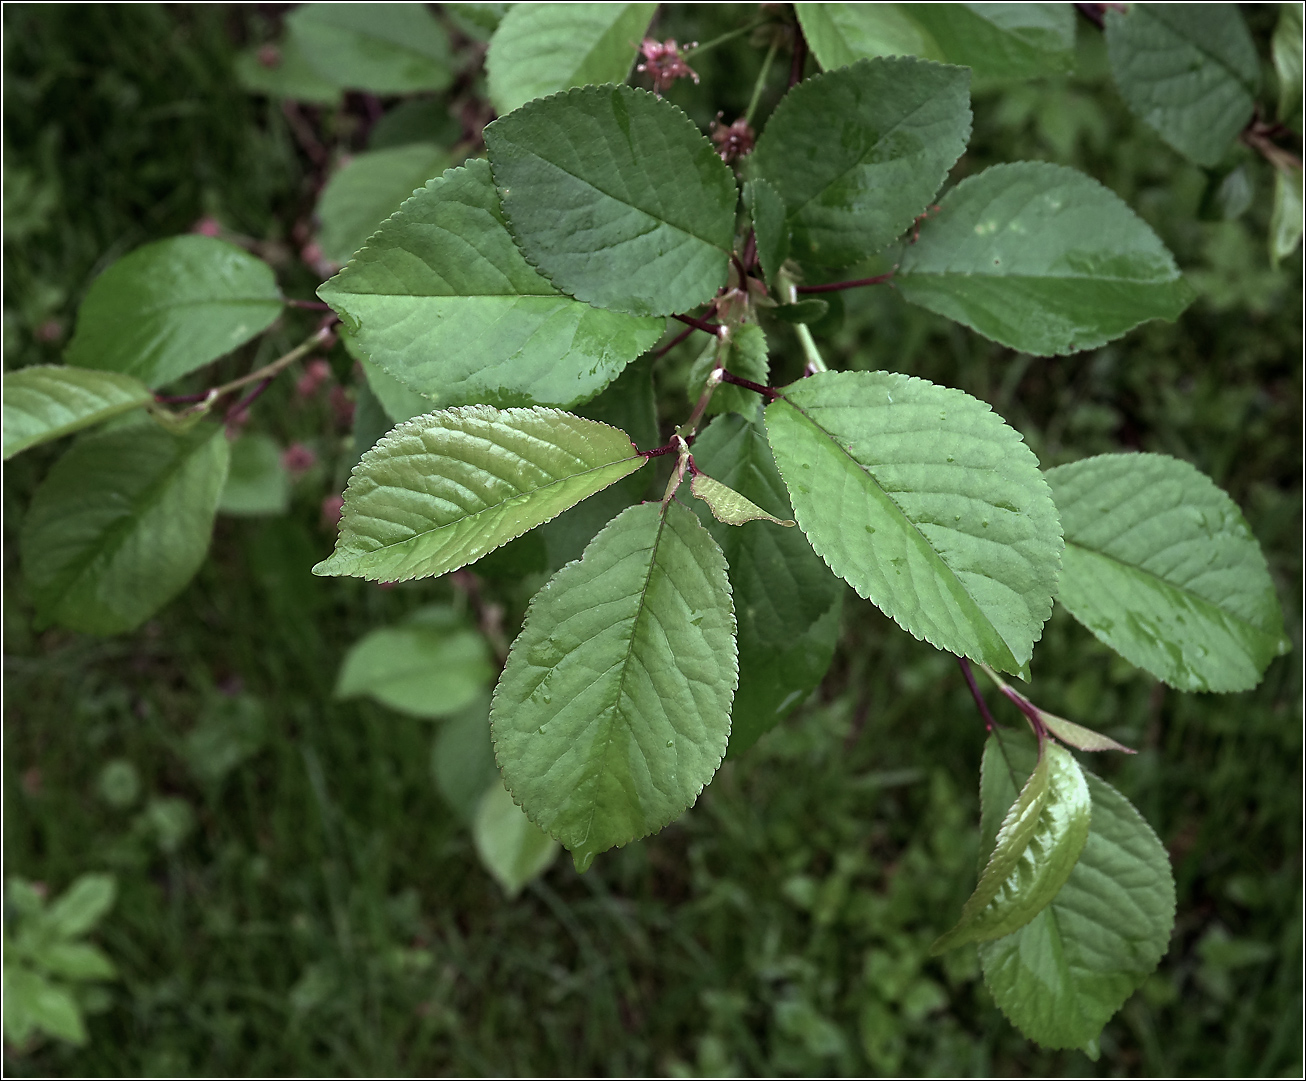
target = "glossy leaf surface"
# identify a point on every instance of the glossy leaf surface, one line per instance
(511, 847)
(370, 188)
(1061, 976)
(926, 503)
(857, 153)
(1190, 71)
(613, 710)
(442, 300)
(787, 603)
(540, 49)
(617, 198)
(172, 306)
(380, 48)
(1161, 566)
(48, 401)
(1036, 849)
(442, 490)
(1042, 259)
(121, 523)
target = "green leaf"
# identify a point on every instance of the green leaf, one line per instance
(729, 506)
(33, 1002)
(1286, 220)
(48, 401)
(284, 71)
(842, 34)
(121, 523)
(766, 208)
(926, 503)
(852, 188)
(442, 300)
(462, 759)
(787, 602)
(1286, 48)
(1036, 849)
(1079, 737)
(477, 21)
(512, 847)
(81, 906)
(613, 710)
(1061, 976)
(1162, 567)
(257, 482)
(1190, 71)
(231, 730)
(743, 353)
(1042, 259)
(617, 198)
(171, 307)
(76, 961)
(381, 48)
(1001, 40)
(540, 49)
(442, 490)
(422, 668)
(399, 401)
(805, 311)
(370, 188)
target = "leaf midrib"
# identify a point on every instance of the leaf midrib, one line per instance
(1197, 598)
(492, 506)
(903, 515)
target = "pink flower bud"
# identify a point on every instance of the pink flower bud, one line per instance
(298, 459)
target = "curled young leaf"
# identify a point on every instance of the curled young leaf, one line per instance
(729, 506)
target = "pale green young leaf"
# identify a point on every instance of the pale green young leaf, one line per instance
(48, 401)
(925, 502)
(121, 523)
(729, 506)
(380, 48)
(1036, 849)
(367, 190)
(766, 208)
(849, 191)
(33, 1002)
(283, 71)
(743, 353)
(787, 603)
(1286, 220)
(613, 710)
(172, 306)
(617, 197)
(511, 847)
(1161, 566)
(80, 907)
(1001, 40)
(442, 490)
(1042, 259)
(462, 759)
(424, 667)
(1286, 49)
(442, 300)
(1079, 737)
(1189, 71)
(539, 49)
(257, 482)
(1061, 976)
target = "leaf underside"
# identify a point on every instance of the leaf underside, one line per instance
(616, 197)
(442, 490)
(1042, 259)
(1062, 976)
(441, 299)
(48, 401)
(926, 503)
(613, 710)
(1161, 566)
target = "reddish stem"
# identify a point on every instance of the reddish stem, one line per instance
(799, 58)
(698, 324)
(964, 665)
(834, 287)
(767, 392)
(309, 305)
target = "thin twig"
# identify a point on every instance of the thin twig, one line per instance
(769, 393)
(760, 85)
(664, 350)
(834, 287)
(309, 305)
(714, 329)
(799, 61)
(975, 693)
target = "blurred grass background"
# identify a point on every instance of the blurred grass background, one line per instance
(313, 907)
